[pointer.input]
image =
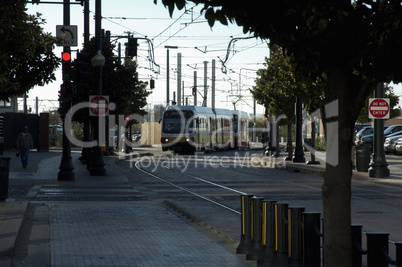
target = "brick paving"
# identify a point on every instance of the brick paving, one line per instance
(128, 234)
(104, 221)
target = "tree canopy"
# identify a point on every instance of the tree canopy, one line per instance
(277, 86)
(355, 45)
(120, 82)
(26, 52)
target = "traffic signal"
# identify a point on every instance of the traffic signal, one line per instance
(83, 65)
(194, 90)
(152, 83)
(66, 66)
(132, 47)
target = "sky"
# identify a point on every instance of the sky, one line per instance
(187, 29)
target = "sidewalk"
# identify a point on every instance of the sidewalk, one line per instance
(105, 221)
(113, 231)
(395, 166)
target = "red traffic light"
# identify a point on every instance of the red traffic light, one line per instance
(66, 56)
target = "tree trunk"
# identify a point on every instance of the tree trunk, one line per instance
(336, 191)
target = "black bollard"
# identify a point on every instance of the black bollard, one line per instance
(268, 233)
(4, 177)
(357, 245)
(377, 249)
(398, 246)
(245, 237)
(295, 229)
(256, 221)
(311, 239)
(281, 235)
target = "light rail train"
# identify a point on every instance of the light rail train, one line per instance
(186, 129)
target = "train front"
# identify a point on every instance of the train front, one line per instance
(177, 130)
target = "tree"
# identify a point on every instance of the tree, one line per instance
(277, 87)
(26, 52)
(356, 45)
(120, 83)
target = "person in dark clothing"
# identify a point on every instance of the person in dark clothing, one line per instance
(24, 144)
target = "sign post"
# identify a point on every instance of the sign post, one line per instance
(379, 109)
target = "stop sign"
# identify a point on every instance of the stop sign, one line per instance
(379, 108)
(98, 105)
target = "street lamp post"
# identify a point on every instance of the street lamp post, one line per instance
(167, 72)
(299, 154)
(98, 61)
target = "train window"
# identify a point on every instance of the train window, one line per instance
(175, 121)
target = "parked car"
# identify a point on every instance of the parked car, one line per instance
(398, 146)
(365, 131)
(390, 142)
(359, 126)
(369, 138)
(392, 129)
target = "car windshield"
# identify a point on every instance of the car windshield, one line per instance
(389, 130)
(365, 131)
(175, 120)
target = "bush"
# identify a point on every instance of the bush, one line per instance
(320, 144)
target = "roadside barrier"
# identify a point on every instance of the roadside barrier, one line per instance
(277, 235)
(312, 239)
(245, 237)
(281, 235)
(256, 220)
(295, 233)
(267, 233)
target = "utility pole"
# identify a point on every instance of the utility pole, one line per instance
(87, 122)
(205, 83)
(86, 22)
(97, 166)
(66, 165)
(168, 72)
(213, 85)
(195, 88)
(179, 79)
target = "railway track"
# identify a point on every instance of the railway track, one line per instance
(194, 193)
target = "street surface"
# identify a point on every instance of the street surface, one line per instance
(158, 209)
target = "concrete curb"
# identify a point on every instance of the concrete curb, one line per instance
(12, 215)
(306, 170)
(214, 231)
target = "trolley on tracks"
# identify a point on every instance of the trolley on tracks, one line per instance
(186, 129)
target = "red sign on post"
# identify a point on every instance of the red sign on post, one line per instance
(379, 108)
(98, 105)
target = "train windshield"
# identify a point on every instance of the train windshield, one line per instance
(175, 121)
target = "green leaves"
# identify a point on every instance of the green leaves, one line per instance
(180, 4)
(26, 52)
(211, 15)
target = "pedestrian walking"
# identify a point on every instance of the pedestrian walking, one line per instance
(24, 144)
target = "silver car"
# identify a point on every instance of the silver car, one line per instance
(398, 146)
(390, 143)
